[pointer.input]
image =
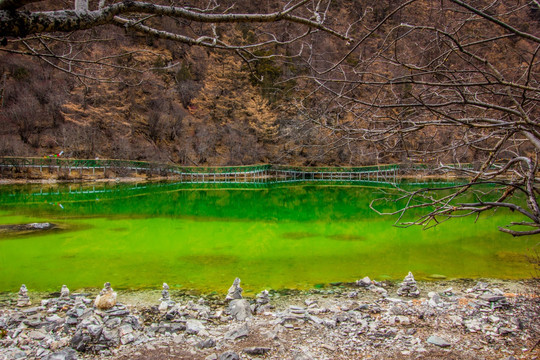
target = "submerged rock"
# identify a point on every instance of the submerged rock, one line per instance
(21, 229)
(106, 298)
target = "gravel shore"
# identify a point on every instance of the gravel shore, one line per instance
(461, 319)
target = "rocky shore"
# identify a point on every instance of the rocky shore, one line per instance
(462, 319)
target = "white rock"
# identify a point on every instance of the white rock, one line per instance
(106, 298)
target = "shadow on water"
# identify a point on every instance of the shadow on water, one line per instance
(346, 237)
(298, 235)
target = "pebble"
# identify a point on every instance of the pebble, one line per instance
(194, 326)
(436, 340)
(229, 355)
(238, 332)
(256, 350)
(66, 354)
(328, 347)
(206, 344)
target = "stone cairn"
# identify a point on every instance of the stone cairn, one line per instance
(166, 301)
(372, 285)
(235, 291)
(106, 298)
(239, 308)
(64, 292)
(263, 298)
(408, 286)
(23, 300)
(262, 302)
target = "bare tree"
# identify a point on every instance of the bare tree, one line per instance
(444, 83)
(55, 36)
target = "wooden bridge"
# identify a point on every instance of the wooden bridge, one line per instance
(252, 174)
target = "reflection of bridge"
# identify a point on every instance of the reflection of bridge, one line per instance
(254, 174)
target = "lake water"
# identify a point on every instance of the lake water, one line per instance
(203, 236)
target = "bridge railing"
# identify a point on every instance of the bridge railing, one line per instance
(390, 173)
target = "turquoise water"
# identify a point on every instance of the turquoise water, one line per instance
(202, 237)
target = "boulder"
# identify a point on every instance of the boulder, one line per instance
(106, 298)
(365, 282)
(240, 309)
(80, 341)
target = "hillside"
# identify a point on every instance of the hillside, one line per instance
(166, 101)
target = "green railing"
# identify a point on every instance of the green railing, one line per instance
(66, 163)
(261, 173)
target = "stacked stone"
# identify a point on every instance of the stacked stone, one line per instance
(166, 301)
(262, 302)
(372, 285)
(408, 286)
(23, 300)
(263, 297)
(64, 292)
(238, 308)
(64, 301)
(235, 291)
(165, 296)
(488, 298)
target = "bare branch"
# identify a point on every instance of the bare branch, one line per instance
(16, 24)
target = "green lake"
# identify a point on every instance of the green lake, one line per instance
(203, 236)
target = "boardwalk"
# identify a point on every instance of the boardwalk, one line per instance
(252, 174)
